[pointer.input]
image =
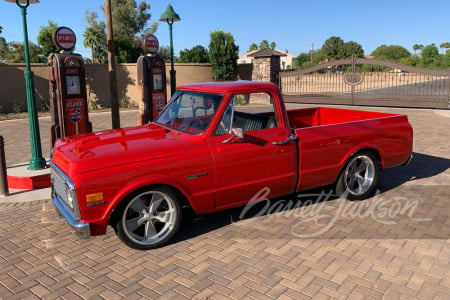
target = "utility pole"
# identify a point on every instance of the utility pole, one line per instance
(115, 116)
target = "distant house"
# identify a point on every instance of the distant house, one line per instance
(287, 60)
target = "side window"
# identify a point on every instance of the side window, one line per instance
(226, 123)
(251, 111)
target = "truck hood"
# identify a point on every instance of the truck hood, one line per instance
(103, 149)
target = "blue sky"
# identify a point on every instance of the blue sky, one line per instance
(292, 25)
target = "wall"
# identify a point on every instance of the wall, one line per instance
(12, 82)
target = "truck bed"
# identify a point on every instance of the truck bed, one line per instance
(321, 116)
(327, 137)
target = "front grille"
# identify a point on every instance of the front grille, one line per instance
(61, 184)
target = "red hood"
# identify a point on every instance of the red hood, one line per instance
(98, 150)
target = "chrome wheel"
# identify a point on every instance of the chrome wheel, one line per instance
(149, 219)
(359, 177)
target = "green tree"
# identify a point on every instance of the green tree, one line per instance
(264, 45)
(164, 53)
(303, 60)
(197, 54)
(129, 20)
(351, 48)
(430, 55)
(3, 49)
(318, 56)
(223, 55)
(45, 38)
(413, 60)
(417, 47)
(392, 53)
(444, 46)
(94, 37)
(446, 60)
(332, 47)
(16, 53)
(252, 47)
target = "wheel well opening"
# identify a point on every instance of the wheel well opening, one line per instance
(184, 203)
(375, 153)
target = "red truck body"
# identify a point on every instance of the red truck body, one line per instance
(195, 151)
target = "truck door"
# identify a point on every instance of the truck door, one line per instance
(260, 164)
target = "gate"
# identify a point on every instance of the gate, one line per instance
(361, 81)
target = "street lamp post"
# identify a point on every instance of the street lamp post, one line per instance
(37, 162)
(171, 16)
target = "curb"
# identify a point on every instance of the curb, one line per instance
(19, 177)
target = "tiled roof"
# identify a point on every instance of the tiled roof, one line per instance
(266, 53)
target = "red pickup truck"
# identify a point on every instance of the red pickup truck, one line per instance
(213, 147)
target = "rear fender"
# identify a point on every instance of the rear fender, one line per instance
(377, 151)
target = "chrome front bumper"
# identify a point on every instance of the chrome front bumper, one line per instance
(81, 229)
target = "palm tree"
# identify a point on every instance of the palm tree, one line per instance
(445, 45)
(1, 29)
(91, 40)
(417, 47)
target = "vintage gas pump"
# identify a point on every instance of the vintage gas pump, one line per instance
(67, 84)
(151, 76)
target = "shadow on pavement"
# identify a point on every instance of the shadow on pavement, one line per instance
(321, 202)
(421, 166)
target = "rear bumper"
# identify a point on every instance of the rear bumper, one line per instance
(81, 229)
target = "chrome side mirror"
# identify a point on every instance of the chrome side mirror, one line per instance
(236, 133)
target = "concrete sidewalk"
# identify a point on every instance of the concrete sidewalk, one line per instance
(395, 245)
(18, 149)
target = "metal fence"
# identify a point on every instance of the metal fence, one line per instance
(360, 81)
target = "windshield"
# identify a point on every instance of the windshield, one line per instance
(190, 112)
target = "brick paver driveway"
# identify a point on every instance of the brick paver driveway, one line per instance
(394, 245)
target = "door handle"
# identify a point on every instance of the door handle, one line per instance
(292, 138)
(283, 142)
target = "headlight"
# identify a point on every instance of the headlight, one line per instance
(70, 196)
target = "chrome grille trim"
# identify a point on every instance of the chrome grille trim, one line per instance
(60, 184)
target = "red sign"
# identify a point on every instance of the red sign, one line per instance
(74, 112)
(158, 102)
(150, 44)
(64, 38)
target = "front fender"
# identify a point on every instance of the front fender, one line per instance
(139, 184)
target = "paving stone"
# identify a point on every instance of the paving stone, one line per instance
(358, 258)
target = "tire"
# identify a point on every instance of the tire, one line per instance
(359, 177)
(149, 219)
